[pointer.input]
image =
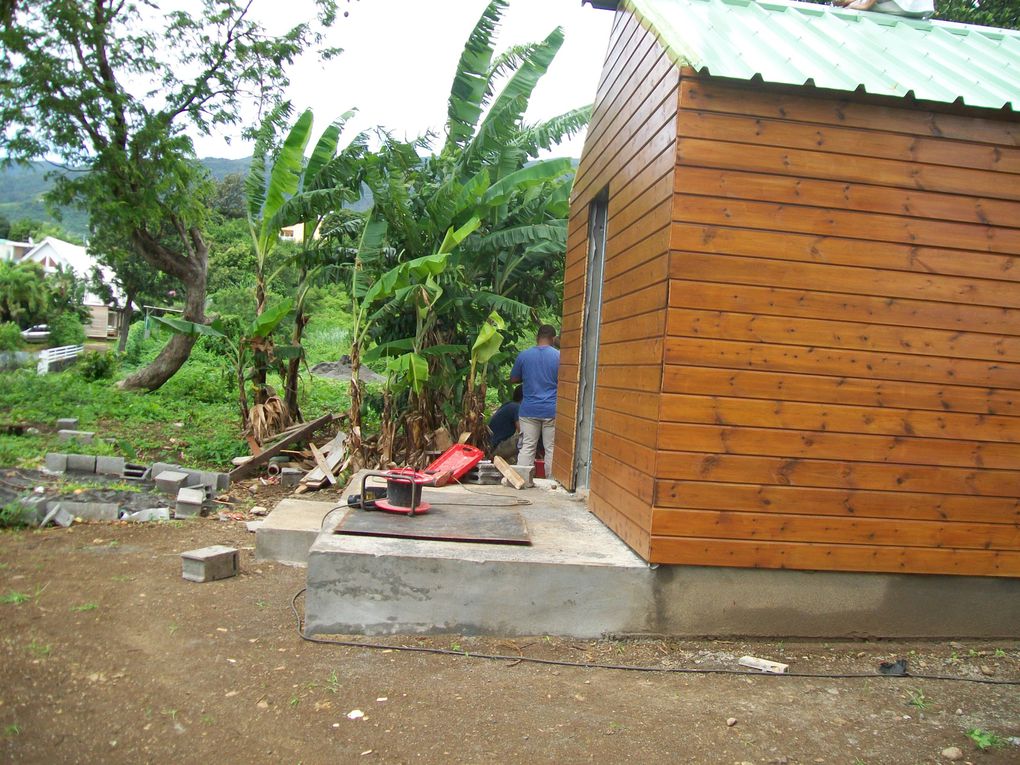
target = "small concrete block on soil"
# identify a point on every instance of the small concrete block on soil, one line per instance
(290, 529)
(162, 467)
(67, 423)
(56, 462)
(81, 463)
(170, 481)
(149, 514)
(216, 481)
(110, 466)
(290, 476)
(210, 563)
(189, 502)
(91, 511)
(58, 515)
(81, 436)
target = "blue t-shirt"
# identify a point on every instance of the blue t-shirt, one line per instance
(537, 368)
(503, 423)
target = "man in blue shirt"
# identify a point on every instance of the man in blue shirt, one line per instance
(503, 426)
(537, 369)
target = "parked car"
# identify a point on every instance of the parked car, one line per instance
(40, 333)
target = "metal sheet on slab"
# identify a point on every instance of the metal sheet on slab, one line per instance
(444, 522)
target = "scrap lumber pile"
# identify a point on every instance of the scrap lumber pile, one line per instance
(320, 463)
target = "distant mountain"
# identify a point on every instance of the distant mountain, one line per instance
(22, 188)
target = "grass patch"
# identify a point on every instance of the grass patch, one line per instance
(15, 598)
(85, 607)
(984, 739)
(193, 419)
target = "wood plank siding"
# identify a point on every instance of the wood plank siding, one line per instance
(842, 345)
(631, 152)
(810, 331)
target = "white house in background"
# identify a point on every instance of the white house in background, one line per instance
(52, 253)
(14, 251)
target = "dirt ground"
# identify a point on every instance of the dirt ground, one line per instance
(110, 656)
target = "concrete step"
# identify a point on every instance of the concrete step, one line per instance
(290, 530)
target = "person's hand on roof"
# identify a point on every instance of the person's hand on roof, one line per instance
(855, 5)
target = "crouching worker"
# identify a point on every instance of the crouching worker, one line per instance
(505, 426)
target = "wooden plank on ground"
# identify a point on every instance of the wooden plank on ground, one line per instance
(511, 475)
(242, 471)
(320, 461)
(317, 477)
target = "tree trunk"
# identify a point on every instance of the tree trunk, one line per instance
(290, 386)
(125, 323)
(192, 273)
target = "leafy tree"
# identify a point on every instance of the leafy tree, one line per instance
(109, 86)
(23, 229)
(229, 200)
(5, 227)
(24, 298)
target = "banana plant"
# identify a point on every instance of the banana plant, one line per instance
(240, 349)
(485, 347)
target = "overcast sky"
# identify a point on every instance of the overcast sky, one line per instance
(399, 58)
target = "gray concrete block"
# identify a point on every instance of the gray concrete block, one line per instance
(58, 515)
(110, 466)
(56, 462)
(81, 436)
(67, 423)
(193, 496)
(209, 563)
(162, 467)
(170, 481)
(92, 511)
(82, 463)
(290, 476)
(149, 514)
(215, 481)
(136, 472)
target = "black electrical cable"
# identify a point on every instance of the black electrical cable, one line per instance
(621, 667)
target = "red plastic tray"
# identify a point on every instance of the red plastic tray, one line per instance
(458, 459)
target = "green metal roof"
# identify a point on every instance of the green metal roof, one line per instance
(806, 44)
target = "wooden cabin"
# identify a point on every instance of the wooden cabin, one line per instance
(791, 318)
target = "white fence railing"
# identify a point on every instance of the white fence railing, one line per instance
(51, 355)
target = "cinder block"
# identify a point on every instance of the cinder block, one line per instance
(81, 436)
(110, 466)
(189, 502)
(135, 472)
(170, 481)
(289, 476)
(149, 514)
(162, 467)
(67, 423)
(82, 463)
(92, 511)
(209, 563)
(58, 515)
(56, 462)
(216, 481)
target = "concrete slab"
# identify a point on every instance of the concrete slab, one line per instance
(67, 423)
(578, 579)
(170, 481)
(110, 465)
(290, 530)
(82, 436)
(56, 462)
(81, 463)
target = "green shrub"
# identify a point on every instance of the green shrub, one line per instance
(14, 515)
(94, 365)
(66, 329)
(10, 336)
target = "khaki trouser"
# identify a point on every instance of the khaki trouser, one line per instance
(531, 429)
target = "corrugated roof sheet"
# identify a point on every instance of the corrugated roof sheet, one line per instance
(807, 44)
